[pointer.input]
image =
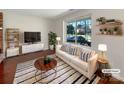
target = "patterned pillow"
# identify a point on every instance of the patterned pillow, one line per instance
(63, 48)
(70, 50)
(85, 55)
(74, 51)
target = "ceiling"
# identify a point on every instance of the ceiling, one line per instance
(47, 13)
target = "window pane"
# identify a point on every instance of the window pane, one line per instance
(71, 28)
(81, 27)
(84, 32)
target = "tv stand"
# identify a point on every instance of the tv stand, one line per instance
(32, 48)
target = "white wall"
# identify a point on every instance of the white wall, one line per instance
(27, 23)
(115, 44)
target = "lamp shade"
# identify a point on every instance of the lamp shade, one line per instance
(102, 47)
(58, 38)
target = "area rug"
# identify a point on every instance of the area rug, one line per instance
(25, 74)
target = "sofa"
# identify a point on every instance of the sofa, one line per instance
(81, 58)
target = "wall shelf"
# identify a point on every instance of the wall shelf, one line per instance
(99, 34)
(110, 24)
(110, 28)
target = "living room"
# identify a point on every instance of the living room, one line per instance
(45, 21)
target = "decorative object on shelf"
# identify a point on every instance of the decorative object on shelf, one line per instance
(101, 20)
(47, 60)
(101, 31)
(58, 40)
(109, 26)
(52, 40)
(115, 31)
(105, 31)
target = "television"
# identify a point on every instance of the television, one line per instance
(32, 37)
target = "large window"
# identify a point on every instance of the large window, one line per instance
(79, 32)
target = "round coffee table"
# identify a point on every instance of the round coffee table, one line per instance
(39, 65)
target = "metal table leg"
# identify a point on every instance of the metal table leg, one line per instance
(44, 82)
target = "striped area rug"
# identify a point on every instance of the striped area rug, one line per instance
(25, 74)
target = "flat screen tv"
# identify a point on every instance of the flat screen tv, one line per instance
(32, 37)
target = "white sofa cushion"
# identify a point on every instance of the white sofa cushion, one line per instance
(64, 55)
(80, 63)
(74, 60)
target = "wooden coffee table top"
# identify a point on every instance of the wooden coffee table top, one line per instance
(39, 64)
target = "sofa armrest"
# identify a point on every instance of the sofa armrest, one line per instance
(92, 65)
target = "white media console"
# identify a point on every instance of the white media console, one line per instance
(12, 52)
(32, 48)
(24, 49)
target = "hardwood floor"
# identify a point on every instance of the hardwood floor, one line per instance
(110, 81)
(8, 67)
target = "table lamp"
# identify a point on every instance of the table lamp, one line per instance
(102, 48)
(58, 39)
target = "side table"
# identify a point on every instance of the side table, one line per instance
(103, 64)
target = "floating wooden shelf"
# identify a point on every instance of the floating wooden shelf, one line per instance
(109, 28)
(110, 24)
(108, 34)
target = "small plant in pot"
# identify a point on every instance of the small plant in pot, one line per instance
(109, 32)
(101, 20)
(47, 60)
(115, 31)
(105, 31)
(101, 31)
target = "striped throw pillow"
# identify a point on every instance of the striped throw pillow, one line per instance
(85, 55)
(72, 50)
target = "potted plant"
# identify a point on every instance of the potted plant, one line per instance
(105, 31)
(109, 31)
(52, 40)
(115, 31)
(101, 31)
(47, 60)
(101, 20)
